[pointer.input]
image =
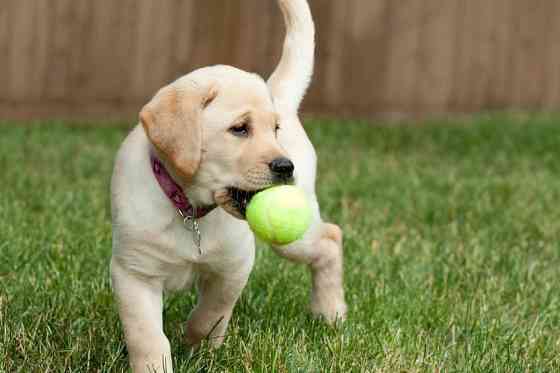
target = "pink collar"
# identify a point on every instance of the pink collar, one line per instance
(174, 192)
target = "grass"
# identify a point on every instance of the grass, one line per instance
(452, 255)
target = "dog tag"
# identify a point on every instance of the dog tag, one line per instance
(191, 224)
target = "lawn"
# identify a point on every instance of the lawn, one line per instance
(452, 254)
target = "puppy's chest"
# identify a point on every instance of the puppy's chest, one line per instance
(221, 241)
(191, 244)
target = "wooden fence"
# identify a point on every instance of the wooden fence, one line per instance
(105, 58)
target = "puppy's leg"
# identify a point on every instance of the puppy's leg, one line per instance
(327, 297)
(140, 310)
(321, 250)
(217, 295)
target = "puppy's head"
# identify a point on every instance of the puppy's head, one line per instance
(216, 129)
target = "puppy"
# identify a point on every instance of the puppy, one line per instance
(182, 179)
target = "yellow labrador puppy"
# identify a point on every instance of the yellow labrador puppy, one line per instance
(182, 179)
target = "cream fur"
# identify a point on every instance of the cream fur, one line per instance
(153, 252)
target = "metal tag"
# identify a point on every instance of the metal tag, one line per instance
(191, 224)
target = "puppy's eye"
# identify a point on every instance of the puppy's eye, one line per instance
(276, 129)
(240, 130)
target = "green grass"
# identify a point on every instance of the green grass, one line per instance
(452, 255)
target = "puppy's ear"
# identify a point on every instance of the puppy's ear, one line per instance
(172, 123)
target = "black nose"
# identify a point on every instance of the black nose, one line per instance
(282, 167)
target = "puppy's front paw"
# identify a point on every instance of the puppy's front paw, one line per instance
(332, 308)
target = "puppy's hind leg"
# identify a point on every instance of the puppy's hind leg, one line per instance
(321, 250)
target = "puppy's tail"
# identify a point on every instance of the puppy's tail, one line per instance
(292, 76)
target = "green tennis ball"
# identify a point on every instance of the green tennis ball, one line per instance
(279, 215)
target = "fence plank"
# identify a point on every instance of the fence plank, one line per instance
(366, 46)
(481, 64)
(435, 55)
(404, 23)
(22, 48)
(328, 82)
(184, 37)
(529, 53)
(497, 91)
(6, 49)
(551, 91)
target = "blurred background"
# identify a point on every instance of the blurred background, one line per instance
(375, 58)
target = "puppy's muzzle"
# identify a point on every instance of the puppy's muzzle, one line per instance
(234, 200)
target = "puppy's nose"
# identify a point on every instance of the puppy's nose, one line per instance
(282, 167)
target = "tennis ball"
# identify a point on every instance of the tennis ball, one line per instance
(279, 215)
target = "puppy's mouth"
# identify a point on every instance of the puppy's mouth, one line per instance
(241, 198)
(235, 200)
